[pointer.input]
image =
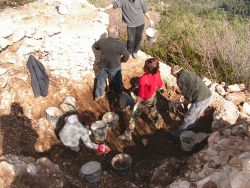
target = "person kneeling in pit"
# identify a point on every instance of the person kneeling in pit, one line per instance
(148, 85)
(74, 130)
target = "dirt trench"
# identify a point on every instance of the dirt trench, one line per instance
(160, 148)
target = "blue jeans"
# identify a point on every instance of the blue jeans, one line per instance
(134, 38)
(101, 80)
(193, 114)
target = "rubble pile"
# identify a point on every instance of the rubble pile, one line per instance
(40, 172)
(225, 162)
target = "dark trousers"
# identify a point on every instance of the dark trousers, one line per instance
(134, 38)
(116, 75)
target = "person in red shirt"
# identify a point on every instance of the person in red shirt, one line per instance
(148, 85)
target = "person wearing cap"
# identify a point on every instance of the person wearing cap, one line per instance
(195, 92)
(133, 12)
(76, 129)
(148, 84)
(113, 52)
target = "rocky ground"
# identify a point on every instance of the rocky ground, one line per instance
(60, 35)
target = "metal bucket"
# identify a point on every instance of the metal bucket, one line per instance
(99, 130)
(111, 119)
(91, 171)
(122, 163)
(188, 140)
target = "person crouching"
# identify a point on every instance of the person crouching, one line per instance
(74, 130)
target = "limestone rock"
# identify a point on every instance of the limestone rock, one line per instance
(48, 164)
(239, 179)
(2, 71)
(7, 28)
(53, 114)
(221, 90)
(70, 101)
(207, 81)
(236, 97)
(226, 113)
(7, 174)
(24, 50)
(4, 43)
(235, 87)
(66, 107)
(8, 57)
(180, 184)
(246, 108)
(18, 35)
(218, 178)
(6, 99)
(18, 171)
(36, 44)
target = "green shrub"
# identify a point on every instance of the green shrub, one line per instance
(205, 39)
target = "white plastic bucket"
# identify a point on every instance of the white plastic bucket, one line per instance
(151, 35)
(188, 140)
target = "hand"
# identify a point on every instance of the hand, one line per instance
(151, 23)
(135, 108)
(173, 105)
(102, 148)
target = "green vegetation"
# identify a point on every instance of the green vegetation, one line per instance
(13, 3)
(241, 7)
(201, 36)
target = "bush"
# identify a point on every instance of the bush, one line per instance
(207, 40)
(13, 3)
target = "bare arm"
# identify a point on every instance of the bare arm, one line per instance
(149, 18)
(86, 140)
(110, 6)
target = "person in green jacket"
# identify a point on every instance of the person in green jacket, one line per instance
(195, 92)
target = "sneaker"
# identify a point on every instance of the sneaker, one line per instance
(135, 55)
(126, 136)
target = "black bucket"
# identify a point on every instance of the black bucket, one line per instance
(122, 163)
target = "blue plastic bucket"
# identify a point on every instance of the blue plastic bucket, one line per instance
(91, 171)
